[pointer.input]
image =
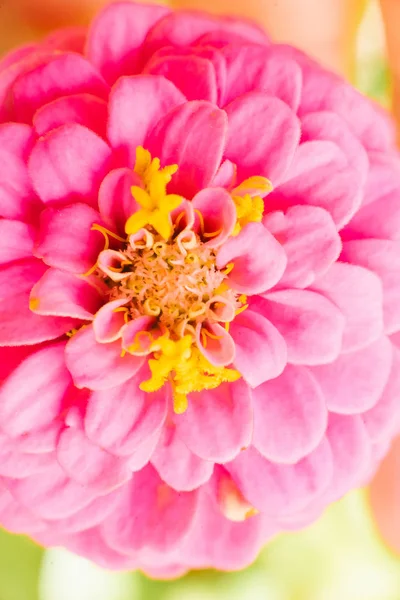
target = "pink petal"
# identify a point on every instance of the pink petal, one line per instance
(19, 326)
(65, 295)
(69, 38)
(217, 423)
(66, 240)
(68, 164)
(290, 416)
(177, 465)
(65, 74)
(260, 349)
(83, 109)
(141, 455)
(98, 366)
(259, 260)
(219, 349)
(354, 382)
(279, 490)
(14, 56)
(255, 149)
(358, 294)
(32, 396)
(311, 325)
(108, 322)
(131, 331)
(89, 465)
(17, 240)
(193, 137)
(383, 258)
(219, 215)
(116, 36)
(225, 176)
(152, 516)
(192, 75)
(116, 203)
(17, 464)
(42, 440)
(17, 198)
(17, 518)
(310, 240)
(136, 105)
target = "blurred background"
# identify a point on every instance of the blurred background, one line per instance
(341, 557)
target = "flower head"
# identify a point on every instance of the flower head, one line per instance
(200, 282)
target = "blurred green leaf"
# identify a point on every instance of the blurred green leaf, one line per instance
(20, 562)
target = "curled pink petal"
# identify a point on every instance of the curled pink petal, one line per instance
(218, 215)
(215, 343)
(111, 263)
(109, 321)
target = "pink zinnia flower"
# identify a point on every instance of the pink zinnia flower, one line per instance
(200, 289)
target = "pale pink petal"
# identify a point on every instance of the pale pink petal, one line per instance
(116, 203)
(311, 325)
(116, 36)
(63, 294)
(259, 260)
(354, 382)
(84, 109)
(68, 165)
(290, 416)
(17, 240)
(136, 105)
(358, 294)
(260, 352)
(98, 366)
(177, 465)
(225, 176)
(219, 347)
(310, 240)
(17, 518)
(66, 240)
(131, 338)
(65, 74)
(89, 465)
(141, 455)
(218, 213)
(192, 136)
(109, 321)
(17, 464)
(217, 423)
(255, 149)
(42, 440)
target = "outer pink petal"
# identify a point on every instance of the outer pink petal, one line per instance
(68, 164)
(358, 294)
(279, 490)
(19, 326)
(14, 56)
(356, 380)
(217, 423)
(32, 395)
(98, 366)
(290, 416)
(136, 105)
(219, 214)
(66, 240)
(65, 74)
(255, 149)
(311, 325)
(177, 465)
(17, 240)
(17, 464)
(62, 294)
(310, 240)
(122, 418)
(260, 349)
(89, 465)
(259, 260)
(116, 37)
(17, 518)
(116, 203)
(193, 137)
(84, 109)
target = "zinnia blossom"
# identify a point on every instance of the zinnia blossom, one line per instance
(200, 289)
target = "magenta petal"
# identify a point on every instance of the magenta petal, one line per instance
(356, 380)
(83, 109)
(358, 294)
(98, 366)
(66, 240)
(17, 240)
(62, 294)
(89, 465)
(115, 38)
(259, 260)
(66, 73)
(253, 148)
(136, 105)
(67, 39)
(290, 416)
(310, 240)
(219, 214)
(260, 349)
(68, 164)
(32, 396)
(311, 325)
(279, 490)
(116, 203)
(219, 349)
(177, 465)
(217, 423)
(108, 321)
(192, 136)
